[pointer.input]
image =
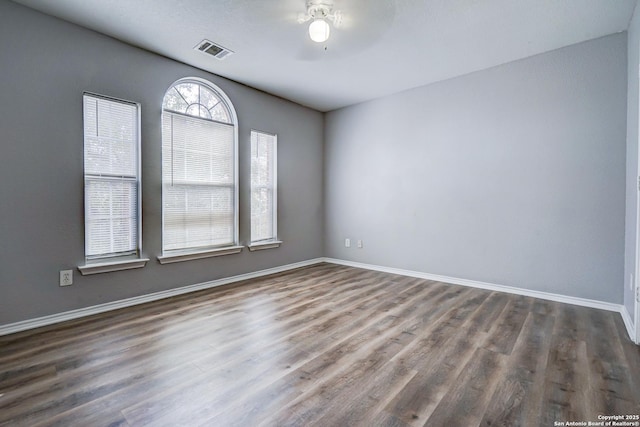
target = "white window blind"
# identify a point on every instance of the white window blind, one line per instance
(263, 187)
(111, 147)
(198, 172)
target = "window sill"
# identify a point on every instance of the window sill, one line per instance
(107, 267)
(265, 245)
(188, 256)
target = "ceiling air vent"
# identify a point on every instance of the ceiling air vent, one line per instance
(210, 48)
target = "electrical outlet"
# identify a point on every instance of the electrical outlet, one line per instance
(347, 243)
(360, 244)
(66, 277)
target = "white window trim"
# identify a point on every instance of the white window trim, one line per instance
(173, 256)
(264, 244)
(273, 242)
(95, 265)
(107, 267)
(191, 255)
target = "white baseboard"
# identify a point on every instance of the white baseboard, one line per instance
(628, 323)
(101, 308)
(500, 288)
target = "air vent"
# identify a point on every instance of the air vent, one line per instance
(210, 48)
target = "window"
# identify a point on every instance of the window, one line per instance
(111, 180)
(199, 172)
(263, 190)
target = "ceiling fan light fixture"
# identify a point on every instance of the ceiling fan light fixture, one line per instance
(320, 13)
(319, 30)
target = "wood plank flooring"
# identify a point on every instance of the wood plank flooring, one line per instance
(325, 345)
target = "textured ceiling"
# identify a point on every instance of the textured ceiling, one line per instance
(383, 47)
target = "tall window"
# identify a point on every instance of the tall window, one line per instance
(111, 177)
(199, 169)
(263, 187)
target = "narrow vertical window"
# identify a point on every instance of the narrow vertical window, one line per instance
(264, 203)
(111, 178)
(199, 173)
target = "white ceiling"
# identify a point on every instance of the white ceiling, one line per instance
(385, 46)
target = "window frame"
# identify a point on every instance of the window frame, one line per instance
(108, 262)
(187, 254)
(273, 241)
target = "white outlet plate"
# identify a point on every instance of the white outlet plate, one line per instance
(66, 277)
(360, 244)
(347, 243)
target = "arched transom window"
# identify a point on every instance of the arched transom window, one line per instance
(195, 99)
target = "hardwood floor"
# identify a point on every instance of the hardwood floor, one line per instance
(325, 345)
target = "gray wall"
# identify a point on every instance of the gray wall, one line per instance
(633, 59)
(513, 175)
(45, 65)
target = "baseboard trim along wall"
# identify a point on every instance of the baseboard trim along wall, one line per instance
(631, 329)
(501, 288)
(101, 308)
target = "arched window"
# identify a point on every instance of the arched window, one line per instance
(198, 99)
(199, 171)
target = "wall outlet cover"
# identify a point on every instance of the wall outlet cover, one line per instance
(66, 277)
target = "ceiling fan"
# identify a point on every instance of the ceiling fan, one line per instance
(320, 12)
(357, 24)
